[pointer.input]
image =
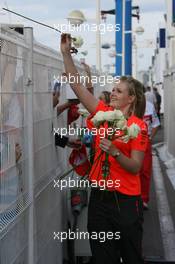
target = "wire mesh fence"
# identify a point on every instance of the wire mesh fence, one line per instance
(30, 208)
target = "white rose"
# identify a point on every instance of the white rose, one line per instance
(119, 114)
(109, 116)
(122, 124)
(78, 42)
(133, 130)
(98, 118)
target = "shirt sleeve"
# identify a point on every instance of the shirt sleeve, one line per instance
(60, 141)
(140, 142)
(100, 107)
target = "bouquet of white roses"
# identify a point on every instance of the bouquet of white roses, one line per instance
(117, 121)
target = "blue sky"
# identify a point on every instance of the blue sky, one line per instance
(56, 11)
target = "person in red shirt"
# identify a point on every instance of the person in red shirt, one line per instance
(118, 209)
(153, 123)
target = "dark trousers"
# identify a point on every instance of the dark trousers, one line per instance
(145, 173)
(111, 212)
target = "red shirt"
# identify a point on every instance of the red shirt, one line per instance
(128, 183)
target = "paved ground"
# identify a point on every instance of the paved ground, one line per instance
(154, 245)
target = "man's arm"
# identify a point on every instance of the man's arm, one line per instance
(154, 131)
(63, 141)
(155, 123)
(61, 108)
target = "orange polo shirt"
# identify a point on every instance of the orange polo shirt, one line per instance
(118, 178)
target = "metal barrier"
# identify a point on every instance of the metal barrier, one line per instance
(30, 208)
(169, 110)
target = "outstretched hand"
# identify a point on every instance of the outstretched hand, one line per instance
(66, 42)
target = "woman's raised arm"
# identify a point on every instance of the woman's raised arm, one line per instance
(85, 97)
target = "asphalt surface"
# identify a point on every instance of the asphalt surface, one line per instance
(153, 246)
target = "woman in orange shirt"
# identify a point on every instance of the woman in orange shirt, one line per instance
(115, 213)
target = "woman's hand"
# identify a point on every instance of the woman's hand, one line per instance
(66, 43)
(107, 146)
(132, 164)
(85, 97)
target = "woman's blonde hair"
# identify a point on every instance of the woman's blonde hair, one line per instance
(135, 88)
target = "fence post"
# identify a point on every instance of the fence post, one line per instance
(28, 33)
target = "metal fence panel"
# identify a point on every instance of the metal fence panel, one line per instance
(30, 208)
(169, 110)
(15, 196)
